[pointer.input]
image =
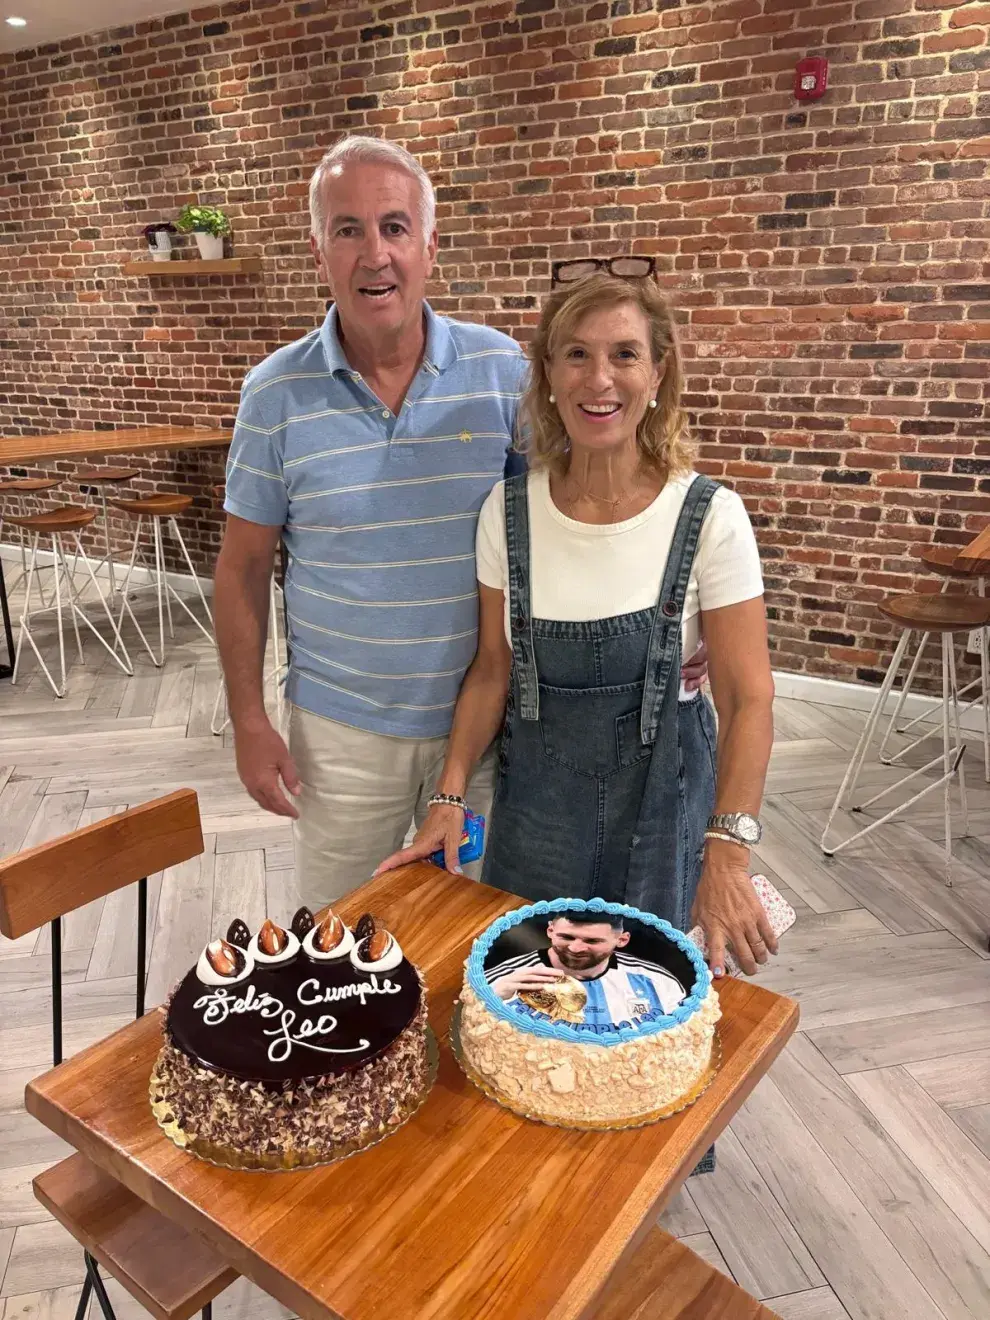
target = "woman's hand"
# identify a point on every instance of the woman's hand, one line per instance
(729, 911)
(442, 828)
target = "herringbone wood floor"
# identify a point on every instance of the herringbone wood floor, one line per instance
(856, 1181)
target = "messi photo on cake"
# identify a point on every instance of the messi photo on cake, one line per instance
(598, 969)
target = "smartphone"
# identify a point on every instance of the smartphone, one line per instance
(472, 843)
(782, 918)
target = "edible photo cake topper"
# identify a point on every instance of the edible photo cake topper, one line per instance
(594, 968)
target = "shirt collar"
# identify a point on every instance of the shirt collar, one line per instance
(440, 353)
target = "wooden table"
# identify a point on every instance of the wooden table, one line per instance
(24, 449)
(465, 1213)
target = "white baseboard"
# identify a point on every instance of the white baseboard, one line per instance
(859, 696)
(141, 577)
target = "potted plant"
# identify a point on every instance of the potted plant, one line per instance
(208, 224)
(159, 239)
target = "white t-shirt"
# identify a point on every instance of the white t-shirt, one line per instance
(582, 571)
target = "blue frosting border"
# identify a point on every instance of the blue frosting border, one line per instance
(576, 1033)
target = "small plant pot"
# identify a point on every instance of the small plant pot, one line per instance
(210, 247)
(160, 245)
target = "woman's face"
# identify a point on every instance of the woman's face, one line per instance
(603, 378)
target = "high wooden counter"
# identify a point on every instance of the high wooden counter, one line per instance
(20, 450)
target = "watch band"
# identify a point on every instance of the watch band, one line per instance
(740, 825)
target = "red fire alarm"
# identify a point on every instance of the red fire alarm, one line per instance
(811, 78)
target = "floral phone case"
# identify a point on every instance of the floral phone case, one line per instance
(782, 918)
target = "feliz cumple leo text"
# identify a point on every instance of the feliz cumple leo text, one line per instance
(292, 1029)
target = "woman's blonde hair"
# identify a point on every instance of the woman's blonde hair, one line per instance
(661, 435)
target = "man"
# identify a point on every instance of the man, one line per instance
(367, 447)
(585, 946)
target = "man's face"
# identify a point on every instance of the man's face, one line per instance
(374, 254)
(579, 947)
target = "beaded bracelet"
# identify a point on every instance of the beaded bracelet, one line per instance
(447, 800)
(725, 838)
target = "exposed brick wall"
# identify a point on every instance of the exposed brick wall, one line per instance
(830, 260)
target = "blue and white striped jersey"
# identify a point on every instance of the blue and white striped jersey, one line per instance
(630, 988)
(380, 512)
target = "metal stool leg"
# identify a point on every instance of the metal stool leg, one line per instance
(93, 1273)
(125, 604)
(123, 660)
(174, 528)
(106, 541)
(217, 725)
(853, 769)
(902, 697)
(161, 587)
(84, 1296)
(950, 758)
(62, 567)
(22, 630)
(25, 633)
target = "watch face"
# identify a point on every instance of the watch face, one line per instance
(749, 828)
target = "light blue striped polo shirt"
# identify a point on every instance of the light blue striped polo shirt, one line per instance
(380, 513)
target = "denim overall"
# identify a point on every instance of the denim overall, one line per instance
(606, 780)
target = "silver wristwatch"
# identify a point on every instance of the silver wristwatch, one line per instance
(739, 825)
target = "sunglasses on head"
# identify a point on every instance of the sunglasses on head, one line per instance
(623, 268)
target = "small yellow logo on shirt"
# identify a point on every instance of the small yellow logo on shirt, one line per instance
(465, 436)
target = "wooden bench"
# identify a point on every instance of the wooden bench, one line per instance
(170, 1272)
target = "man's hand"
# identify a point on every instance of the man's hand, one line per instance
(526, 978)
(694, 670)
(264, 764)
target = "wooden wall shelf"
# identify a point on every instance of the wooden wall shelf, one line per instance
(178, 269)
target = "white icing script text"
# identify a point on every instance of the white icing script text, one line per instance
(356, 990)
(220, 1003)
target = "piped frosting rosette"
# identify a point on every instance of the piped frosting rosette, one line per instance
(273, 945)
(223, 963)
(375, 949)
(328, 941)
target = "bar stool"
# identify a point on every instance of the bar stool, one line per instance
(58, 524)
(157, 510)
(276, 675)
(945, 615)
(945, 561)
(98, 479)
(14, 489)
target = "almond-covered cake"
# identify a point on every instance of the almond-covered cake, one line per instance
(587, 1014)
(290, 1048)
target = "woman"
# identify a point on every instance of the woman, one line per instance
(596, 572)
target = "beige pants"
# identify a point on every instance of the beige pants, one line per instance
(360, 794)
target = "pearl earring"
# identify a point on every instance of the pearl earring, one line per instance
(653, 403)
(553, 398)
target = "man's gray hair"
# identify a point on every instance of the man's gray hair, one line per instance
(357, 150)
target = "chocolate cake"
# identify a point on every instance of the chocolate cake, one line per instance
(292, 1047)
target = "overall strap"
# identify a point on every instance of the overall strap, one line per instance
(665, 637)
(520, 612)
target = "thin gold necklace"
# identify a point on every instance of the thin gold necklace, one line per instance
(614, 505)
